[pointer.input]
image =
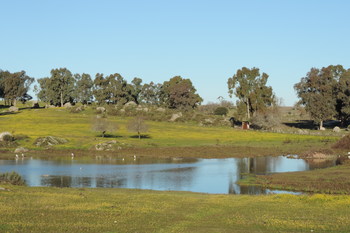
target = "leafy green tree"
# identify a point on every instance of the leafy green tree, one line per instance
(251, 90)
(135, 89)
(112, 89)
(150, 93)
(59, 88)
(83, 92)
(343, 95)
(15, 86)
(317, 93)
(179, 93)
(100, 89)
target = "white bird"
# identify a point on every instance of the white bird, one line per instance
(134, 157)
(348, 156)
(22, 155)
(123, 159)
(72, 155)
(16, 156)
(348, 153)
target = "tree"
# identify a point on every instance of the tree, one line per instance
(103, 125)
(99, 89)
(15, 86)
(343, 94)
(83, 91)
(57, 89)
(317, 93)
(179, 93)
(135, 89)
(251, 90)
(150, 93)
(138, 126)
(112, 89)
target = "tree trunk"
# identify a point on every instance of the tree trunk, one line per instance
(248, 110)
(61, 99)
(321, 125)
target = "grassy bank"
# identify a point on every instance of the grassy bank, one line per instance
(27, 209)
(334, 180)
(76, 128)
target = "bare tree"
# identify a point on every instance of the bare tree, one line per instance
(138, 125)
(103, 125)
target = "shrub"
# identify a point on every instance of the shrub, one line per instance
(221, 111)
(7, 138)
(11, 178)
(267, 120)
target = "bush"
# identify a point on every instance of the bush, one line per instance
(267, 120)
(11, 178)
(221, 111)
(7, 138)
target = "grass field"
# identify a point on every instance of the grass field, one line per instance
(25, 209)
(77, 129)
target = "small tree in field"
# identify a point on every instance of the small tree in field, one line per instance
(103, 125)
(138, 126)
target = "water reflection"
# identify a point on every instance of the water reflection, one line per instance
(196, 175)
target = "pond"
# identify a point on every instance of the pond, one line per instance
(176, 174)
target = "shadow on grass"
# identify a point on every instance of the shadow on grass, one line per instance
(309, 124)
(109, 136)
(142, 136)
(7, 113)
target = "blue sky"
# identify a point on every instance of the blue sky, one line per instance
(205, 41)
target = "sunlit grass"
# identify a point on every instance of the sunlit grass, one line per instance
(25, 209)
(76, 128)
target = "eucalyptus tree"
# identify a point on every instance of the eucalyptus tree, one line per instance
(251, 90)
(15, 86)
(150, 93)
(57, 89)
(135, 89)
(83, 91)
(317, 92)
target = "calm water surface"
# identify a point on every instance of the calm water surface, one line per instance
(195, 175)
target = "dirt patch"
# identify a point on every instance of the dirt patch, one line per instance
(343, 143)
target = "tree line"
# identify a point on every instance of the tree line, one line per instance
(64, 87)
(324, 92)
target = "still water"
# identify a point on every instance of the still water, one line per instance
(195, 175)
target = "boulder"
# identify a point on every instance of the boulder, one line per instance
(21, 150)
(107, 146)
(336, 129)
(130, 104)
(13, 109)
(5, 136)
(67, 105)
(160, 110)
(49, 141)
(100, 109)
(175, 116)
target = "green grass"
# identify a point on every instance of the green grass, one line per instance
(25, 209)
(333, 180)
(76, 128)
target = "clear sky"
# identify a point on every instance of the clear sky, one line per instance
(205, 41)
